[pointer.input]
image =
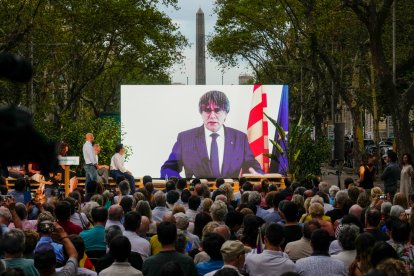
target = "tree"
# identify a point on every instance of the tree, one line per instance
(297, 35)
(399, 96)
(83, 50)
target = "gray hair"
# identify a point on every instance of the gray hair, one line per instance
(87, 209)
(341, 197)
(112, 232)
(386, 208)
(347, 235)
(14, 241)
(254, 198)
(218, 210)
(317, 199)
(298, 199)
(324, 187)
(333, 190)
(396, 211)
(159, 198)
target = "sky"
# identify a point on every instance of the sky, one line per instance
(185, 18)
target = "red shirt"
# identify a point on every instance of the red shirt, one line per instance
(70, 228)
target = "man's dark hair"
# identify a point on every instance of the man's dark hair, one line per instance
(146, 179)
(194, 202)
(219, 181)
(173, 196)
(167, 233)
(62, 210)
(234, 218)
(21, 210)
(277, 198)
(353, 194)
(181, 184)
(44, 259)
(289, 210)
(170, 268)
(382, 251)
(320, 241)
(132, 221)
(348, 181)
(392, 155)
(247, 186)
(99, 214)
(217, 97)
(309, 227)
(126, 203)
(275, 234)
(118, 148)
(195, 181)
(226, 271)
(120, 248)
(185, 196)
(20, 184)
(79, 245)
(400, 231)
(170, 185)
(242, 180)
(212, 243)
(13, 242)
(373, 217)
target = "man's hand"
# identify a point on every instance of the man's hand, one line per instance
(10, 203)
(59, 230)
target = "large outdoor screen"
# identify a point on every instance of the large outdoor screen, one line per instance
(170, 137)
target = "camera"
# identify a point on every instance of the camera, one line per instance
(46, 226)
(4, 197)
(383, 197)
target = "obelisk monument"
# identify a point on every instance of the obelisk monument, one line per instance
(200, 48)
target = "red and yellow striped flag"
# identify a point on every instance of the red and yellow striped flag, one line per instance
(257, 128)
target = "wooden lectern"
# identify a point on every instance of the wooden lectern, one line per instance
(68, 161)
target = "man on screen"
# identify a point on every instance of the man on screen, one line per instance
(211, 150)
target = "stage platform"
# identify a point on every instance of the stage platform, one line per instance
(159, 184)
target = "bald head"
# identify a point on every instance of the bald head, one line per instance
(169, 217)
(223, 231)
(356, 211)
(144, 227)
(89, 137)
(115, 212)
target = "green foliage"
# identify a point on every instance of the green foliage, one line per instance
(107, 132)
(312, 155)
(290, 145)
(83, 50)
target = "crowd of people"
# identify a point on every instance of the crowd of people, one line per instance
(312, 228)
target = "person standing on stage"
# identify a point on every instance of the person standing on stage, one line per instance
(102, 170)
(90, 159)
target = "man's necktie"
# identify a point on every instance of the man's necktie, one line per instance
(214, 158)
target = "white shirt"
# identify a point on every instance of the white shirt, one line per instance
(220, 144)
(138, 244)
(89, 153)
(268, 262)
(109, 223)
(117, 162)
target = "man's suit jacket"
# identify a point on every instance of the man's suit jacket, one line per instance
(190, 152)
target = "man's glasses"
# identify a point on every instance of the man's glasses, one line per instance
(209, 110)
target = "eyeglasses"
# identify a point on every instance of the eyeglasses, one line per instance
(209, 110)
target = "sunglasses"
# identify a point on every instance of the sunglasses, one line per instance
(209, 110)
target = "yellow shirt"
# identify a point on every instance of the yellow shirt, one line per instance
(155, 245)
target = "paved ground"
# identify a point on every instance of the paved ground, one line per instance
(329, 175)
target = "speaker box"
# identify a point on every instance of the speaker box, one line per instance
(339, 142)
